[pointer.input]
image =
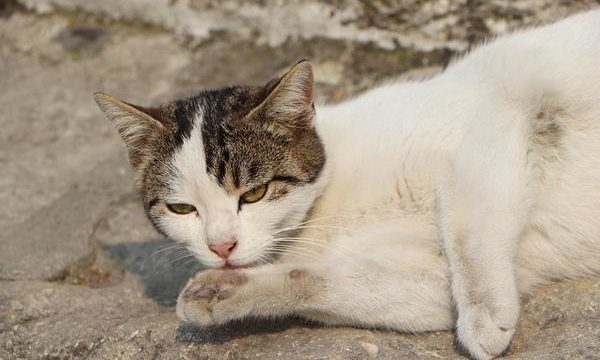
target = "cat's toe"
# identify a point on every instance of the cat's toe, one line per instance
(193, 304)
(481, 335)
(204, 293)
(227, 283)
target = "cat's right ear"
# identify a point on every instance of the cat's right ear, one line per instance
(136, 125)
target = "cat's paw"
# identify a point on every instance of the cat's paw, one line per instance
(204, 299)
(485, 334)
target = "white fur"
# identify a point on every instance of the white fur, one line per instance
(438, 195)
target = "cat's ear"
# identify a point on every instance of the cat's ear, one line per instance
(136, 125)
(288, 105)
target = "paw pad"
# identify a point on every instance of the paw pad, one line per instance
(297, 274)
(201, 293)
(231, 278)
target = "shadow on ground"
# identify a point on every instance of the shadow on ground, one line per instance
(163, 266)
(222, 334)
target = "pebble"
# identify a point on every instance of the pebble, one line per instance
(370, 348)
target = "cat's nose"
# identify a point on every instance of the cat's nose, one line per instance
(224, 249)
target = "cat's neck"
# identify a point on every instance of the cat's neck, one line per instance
(390, 122)
(386, 147)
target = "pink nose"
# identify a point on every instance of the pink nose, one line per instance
(224, 249)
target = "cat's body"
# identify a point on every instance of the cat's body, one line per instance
(427, 200)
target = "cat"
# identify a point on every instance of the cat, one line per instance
(415, 206)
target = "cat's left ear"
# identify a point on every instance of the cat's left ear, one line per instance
(289, 104)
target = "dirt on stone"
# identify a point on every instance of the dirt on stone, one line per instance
(82, 273)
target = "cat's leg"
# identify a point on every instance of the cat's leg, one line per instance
(483, 210)
(338, 291)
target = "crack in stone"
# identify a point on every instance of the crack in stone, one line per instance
(86, 271)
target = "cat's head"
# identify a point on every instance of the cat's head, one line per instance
(223, 172)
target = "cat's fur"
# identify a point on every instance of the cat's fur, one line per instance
(415, 206)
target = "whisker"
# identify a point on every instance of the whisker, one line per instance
(302, 254)
(344, 252)
(181, 258)
(390, 206)
(167, 248)
(301, 227)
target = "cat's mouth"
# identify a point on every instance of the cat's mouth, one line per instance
(229, 266)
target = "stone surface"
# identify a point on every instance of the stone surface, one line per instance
(82, 273)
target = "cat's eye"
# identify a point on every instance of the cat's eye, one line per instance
(181, 209)
(254, 195)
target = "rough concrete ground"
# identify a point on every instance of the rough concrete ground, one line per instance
(83, 275)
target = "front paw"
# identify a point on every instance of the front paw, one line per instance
(204, 299)
(486, 335)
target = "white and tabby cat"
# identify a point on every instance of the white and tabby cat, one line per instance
(416, 206)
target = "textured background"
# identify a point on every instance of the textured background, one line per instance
(83, 275)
